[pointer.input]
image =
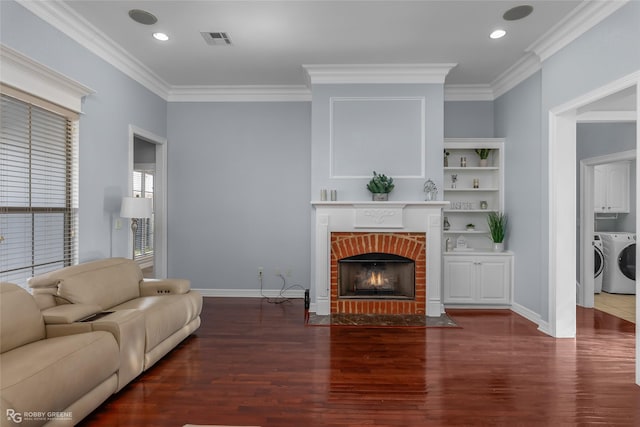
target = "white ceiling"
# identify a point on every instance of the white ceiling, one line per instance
(273, 39)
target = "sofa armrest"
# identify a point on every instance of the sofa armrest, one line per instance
(69, 313)
(152, 287)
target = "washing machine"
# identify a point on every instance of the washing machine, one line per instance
(619, 275)
(598, 263)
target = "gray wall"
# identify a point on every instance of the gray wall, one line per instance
(104, 127)
(598, 57)
(143, 151)
(468, 119)
(518, 121)
(239, 179)
(599, 139)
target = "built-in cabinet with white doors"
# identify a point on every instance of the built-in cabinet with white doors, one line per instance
(481, 278)
(611, 183)
(474, 275)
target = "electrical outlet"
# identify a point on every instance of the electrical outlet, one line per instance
(260, 271)
(118, 223)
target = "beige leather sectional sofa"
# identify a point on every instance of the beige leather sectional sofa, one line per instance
(84, 334)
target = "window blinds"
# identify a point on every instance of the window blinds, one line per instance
(143, 187)
(37, 190)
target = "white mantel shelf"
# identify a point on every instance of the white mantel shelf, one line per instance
(435, 204)
(389, 216)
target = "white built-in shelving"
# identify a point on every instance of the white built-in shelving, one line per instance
(475, 275)
(466, 201)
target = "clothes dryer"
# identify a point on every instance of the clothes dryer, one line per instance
(598, 263)
(619, 276)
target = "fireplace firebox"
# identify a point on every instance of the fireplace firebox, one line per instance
(376, 276)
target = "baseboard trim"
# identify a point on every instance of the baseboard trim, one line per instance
(532, 316)
(251, 293)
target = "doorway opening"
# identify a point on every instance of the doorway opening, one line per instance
(562, 208)
(147, 178)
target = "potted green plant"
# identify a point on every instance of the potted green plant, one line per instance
(380, 186)
(484, 155)
(497, 229)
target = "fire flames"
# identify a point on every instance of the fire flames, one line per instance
(376, 278)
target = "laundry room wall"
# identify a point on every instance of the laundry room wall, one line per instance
(599, 139)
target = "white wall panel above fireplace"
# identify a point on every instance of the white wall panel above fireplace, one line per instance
(385, 134)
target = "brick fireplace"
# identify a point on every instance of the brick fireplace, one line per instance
(408, 245)
(408, 229)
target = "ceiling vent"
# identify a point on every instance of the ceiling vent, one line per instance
(216, 39)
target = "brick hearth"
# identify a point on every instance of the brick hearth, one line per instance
(409, 245)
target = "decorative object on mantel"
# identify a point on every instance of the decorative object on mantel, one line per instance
(446, 158)
(454, 178)
(484, 156)
(497, 229)
(380, 186)
(431, 190)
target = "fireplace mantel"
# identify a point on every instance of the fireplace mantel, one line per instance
(391, 216)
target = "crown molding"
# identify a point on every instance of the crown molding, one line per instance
(75, 26)
(580, 20)
(524, 68)
(468, 93)
(21, 72)
(240, 93)
(584, 17)
(377, 73)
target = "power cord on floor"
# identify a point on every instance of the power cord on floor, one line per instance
(281, 298)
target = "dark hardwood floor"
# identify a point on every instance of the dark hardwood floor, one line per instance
(256, 363)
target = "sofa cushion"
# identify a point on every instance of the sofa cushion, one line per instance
(51, 374)
(106, 282)
(164, 315)
(20, 319)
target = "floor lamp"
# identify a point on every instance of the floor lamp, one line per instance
(135, 208)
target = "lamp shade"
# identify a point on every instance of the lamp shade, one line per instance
(136, 207)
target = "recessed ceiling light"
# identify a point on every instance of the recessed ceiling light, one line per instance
(498, 34)
(142, 17)
(161, 36)
(517, 12)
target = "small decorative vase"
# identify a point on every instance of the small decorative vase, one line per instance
(446, 161)
(498, 247)
(446, 224)
(484, 163)
(380, 197)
